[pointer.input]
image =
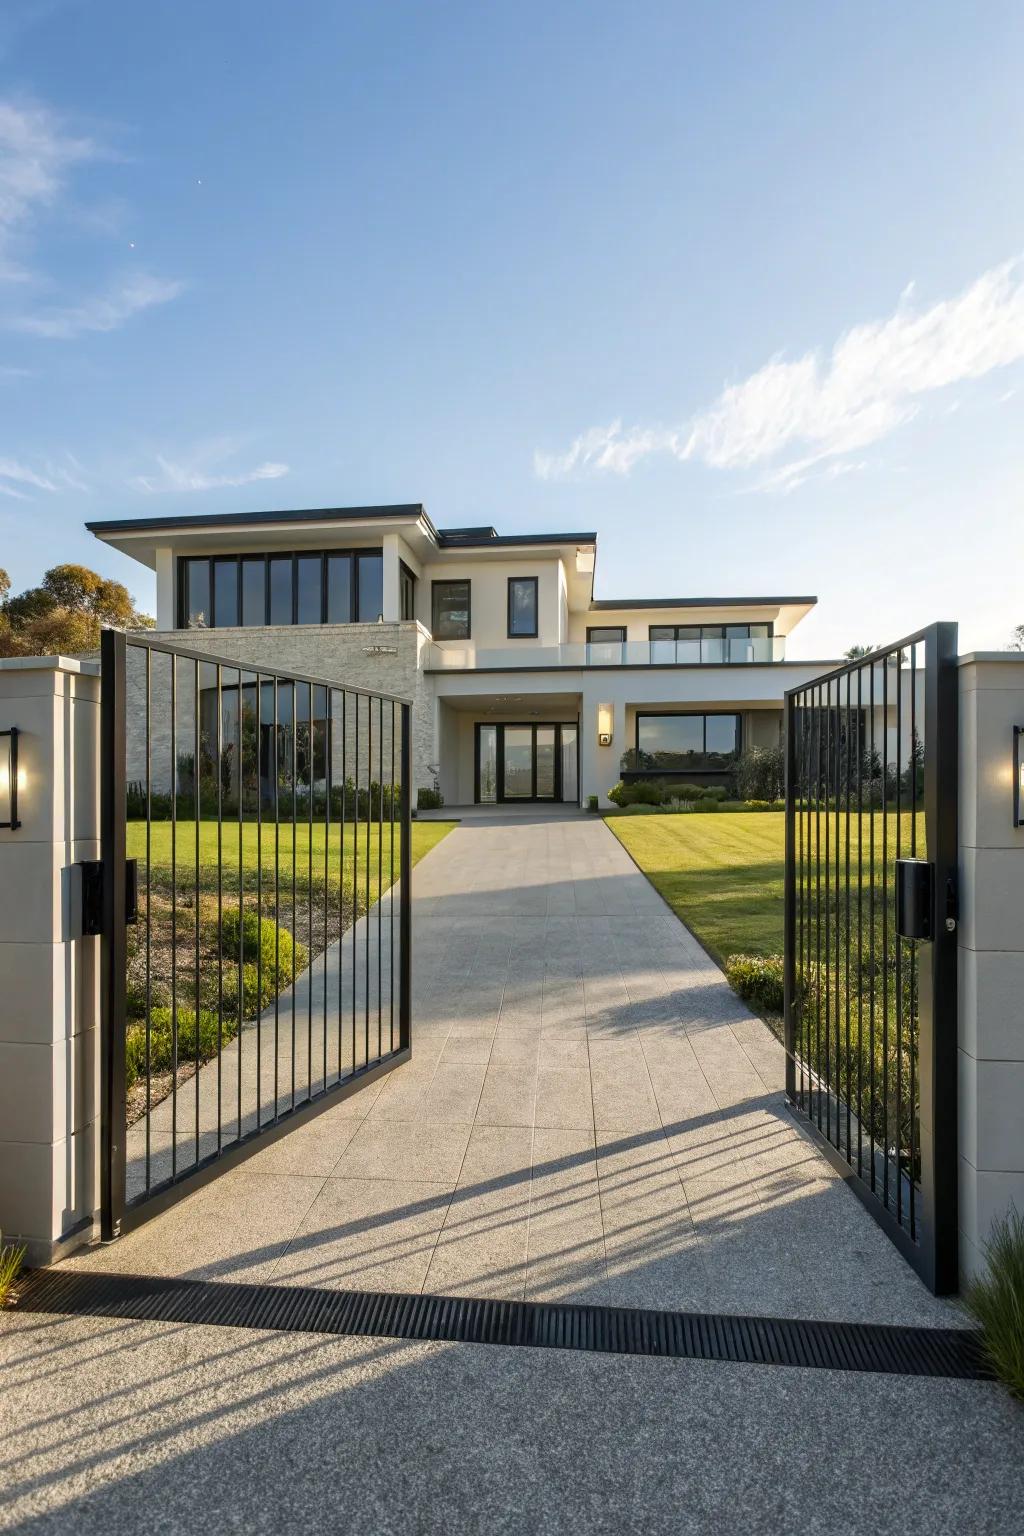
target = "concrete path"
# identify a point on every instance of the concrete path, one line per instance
(590, 1113)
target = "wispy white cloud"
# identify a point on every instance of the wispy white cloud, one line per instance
(199, 471)
(36, 153)
(102, 312)
(871, 383)
(20, 480)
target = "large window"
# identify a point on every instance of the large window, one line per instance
(522, 607)
(687, 743)
(450, 610)
(708, 642)
(314, 587)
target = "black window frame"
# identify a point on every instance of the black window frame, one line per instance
(620, 630)
(768, 624)
(688, 714)
(451, 581)
(294, 555)
(523, 634)
(406, 588)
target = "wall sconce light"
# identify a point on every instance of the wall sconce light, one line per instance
(9, 778)
(605, 725)
(1018, 777)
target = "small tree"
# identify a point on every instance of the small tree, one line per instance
(1017, 639)
(65, 613)
(857, 651)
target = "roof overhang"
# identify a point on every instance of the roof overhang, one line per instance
(783, 612)
(236, 532)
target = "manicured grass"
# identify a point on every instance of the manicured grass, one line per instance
(312, 856)
(723, 875)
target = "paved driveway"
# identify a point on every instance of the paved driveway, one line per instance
(590, 1113)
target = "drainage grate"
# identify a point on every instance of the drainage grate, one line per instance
(541, 1325)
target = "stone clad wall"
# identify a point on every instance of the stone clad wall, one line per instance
(384, 657)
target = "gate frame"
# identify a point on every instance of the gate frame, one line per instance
(935, 1254)
(117, 1216)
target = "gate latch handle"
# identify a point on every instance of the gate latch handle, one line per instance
(92, 894)
(951, 905)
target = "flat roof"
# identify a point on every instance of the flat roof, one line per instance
(610, 604)
(453, 538)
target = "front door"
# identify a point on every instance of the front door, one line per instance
(526, 762)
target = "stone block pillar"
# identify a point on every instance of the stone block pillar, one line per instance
(49, 974)
(991, 952)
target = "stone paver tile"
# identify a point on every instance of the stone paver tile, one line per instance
(514, 1047)
(482, 1248)
(623, 1097)
(453, 1094)
(558, 1052)
(566, 1250)
(406, 1150)
(564, 1098)
(403, 1092)
(313, 1148)
(508, 1096)
(235, 1228)
(367, 1234)
(475, 1049)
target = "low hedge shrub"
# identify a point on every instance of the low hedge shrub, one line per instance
(758, 979)
(996, 1301)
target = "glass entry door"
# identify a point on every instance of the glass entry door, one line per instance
(527, 762)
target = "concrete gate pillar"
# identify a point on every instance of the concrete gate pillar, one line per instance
(49, 973)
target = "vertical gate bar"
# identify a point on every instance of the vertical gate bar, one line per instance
(837, 1020)
(355, 871)
(860, 922)
(885, 930)
(369, 858)
(912, 1020)
(195, 812)
(174, 916)
(828, 911)
(846, 934)
(380, 872)
(898, 942)
(295, 849)
(114, 943)
(391, 893)
(277, 901)
(818, 716)
(309, 901)
(149, 903)
(789, 941)
(341, 878)
(241, 908)
(871, 927)
(220, 899)
(259, 900)
(405, 896)
(805, 821)
(937, 1048)
(328, 740)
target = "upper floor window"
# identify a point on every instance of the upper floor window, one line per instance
(522, 607)
(450, 610)
(314, 587)
(406, 591)
(605, 644)
(707, 642)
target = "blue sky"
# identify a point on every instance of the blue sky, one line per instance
(739, 286)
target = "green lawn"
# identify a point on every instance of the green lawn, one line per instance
(269, 844)
(723, 875)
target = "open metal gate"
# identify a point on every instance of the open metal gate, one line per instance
(254, 902)
(870, 936)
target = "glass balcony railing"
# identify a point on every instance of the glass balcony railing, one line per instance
(453, 655)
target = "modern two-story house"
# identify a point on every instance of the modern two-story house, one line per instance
(525, 687)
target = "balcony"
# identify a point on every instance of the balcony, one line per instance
(464, 656)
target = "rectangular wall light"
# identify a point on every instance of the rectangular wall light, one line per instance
(605, 724)
(1018, 777)
(9, 778)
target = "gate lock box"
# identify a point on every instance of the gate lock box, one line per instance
(915, 898)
